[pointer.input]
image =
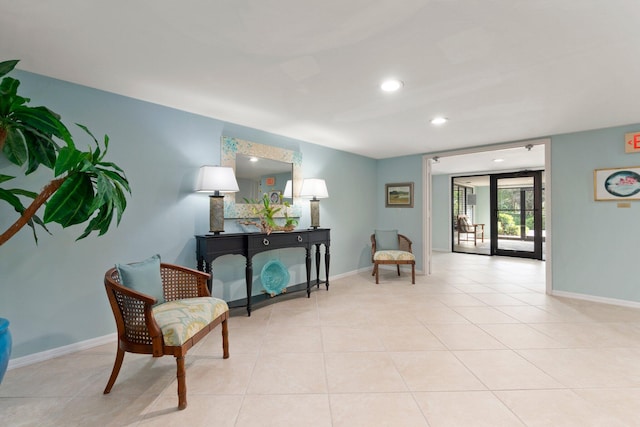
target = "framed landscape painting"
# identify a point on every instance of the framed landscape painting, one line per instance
(399, 195)
(617, 184)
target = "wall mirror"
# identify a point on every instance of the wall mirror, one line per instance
(260, 169)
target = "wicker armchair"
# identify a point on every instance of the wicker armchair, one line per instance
(153, 329)
(403, 255)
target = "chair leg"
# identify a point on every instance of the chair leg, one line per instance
(182, 384)
(413, 274)
(115, 371)
(225, 340)
(398, 267)
(376, 269)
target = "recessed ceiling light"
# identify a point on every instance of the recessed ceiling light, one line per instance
(391, 85)
(253, 159)
(439, 121)
(498, 160)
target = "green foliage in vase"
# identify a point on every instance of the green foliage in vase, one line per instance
(289, 221)
(84, 187)
(265, 212)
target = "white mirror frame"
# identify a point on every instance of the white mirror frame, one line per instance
(232, 146)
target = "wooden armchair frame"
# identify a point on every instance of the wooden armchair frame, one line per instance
(404, 244)
(464, 227)
(138, 331)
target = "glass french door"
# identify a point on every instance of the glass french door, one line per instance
(517, 206)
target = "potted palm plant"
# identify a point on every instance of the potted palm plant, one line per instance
(84, 187)
(265, 213)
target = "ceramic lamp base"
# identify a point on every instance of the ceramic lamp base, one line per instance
(216, 214)
(315, 213)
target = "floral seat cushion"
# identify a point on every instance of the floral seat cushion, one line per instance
(393, 256)
(181, 319)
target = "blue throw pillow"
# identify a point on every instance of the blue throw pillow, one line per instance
(387, 240)
(143, 276)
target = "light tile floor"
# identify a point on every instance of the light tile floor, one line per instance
(478, 343)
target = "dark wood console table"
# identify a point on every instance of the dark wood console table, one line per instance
(211, 246)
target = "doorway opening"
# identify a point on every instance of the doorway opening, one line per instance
(470, 214)
(499, 214)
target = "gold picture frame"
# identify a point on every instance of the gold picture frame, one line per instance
(399, 195)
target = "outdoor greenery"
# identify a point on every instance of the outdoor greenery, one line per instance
(507, 224)
(509, 205)
(84, 187)
(510, 201)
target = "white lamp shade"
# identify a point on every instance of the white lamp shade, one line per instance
(288, 190)
(216, 178)
(314, 188)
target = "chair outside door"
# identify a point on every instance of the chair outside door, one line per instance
(469, 231)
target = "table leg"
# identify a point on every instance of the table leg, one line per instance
(249, 280)
(206, 267)
(317, 265)
(327, 258)
(308, 264)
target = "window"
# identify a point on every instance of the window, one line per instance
(462, 203)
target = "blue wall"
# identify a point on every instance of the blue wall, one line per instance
(441, 212)
(595, 245)
(53, 293)
(408, 221)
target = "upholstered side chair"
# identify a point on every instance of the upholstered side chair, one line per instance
(168, 323)
(389, 247)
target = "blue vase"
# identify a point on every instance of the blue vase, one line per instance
(5, 346)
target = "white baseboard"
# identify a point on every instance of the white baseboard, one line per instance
(347, 274)
(19, 362)
(592, 298)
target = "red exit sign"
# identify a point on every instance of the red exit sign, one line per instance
(632, 142)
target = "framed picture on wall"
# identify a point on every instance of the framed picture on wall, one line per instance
(274, 197)
(616, 184)
(399, 195)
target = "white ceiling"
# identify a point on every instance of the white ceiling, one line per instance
(501, 70)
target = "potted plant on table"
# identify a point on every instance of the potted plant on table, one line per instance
(265, 213)
(84, 186)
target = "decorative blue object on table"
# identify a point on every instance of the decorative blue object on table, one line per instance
(5, 346)
(274, 277)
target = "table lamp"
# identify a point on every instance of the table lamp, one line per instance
(216, 180)
(315, 189)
